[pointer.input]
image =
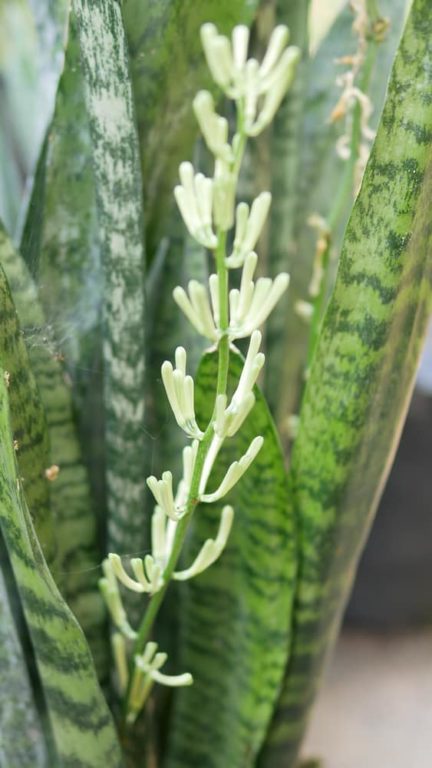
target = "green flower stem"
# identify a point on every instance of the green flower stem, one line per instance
(156, 600)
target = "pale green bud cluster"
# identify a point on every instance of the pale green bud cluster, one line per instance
(261, 87)
(208, 208)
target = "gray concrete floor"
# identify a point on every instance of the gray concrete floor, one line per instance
(375, 708)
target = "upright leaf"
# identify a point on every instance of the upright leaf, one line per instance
(72, 510)
(27, 417)
(65, 259)
(323, 185)
(32, 37)
(82, 726)
(362, 376)
(119, 195)
(235, 618)
(285, 162)
(22, 739)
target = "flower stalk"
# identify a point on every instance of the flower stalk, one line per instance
(209, 211)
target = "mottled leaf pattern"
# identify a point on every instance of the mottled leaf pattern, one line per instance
(78, 554)
(27, 415)
(18, 708)
(82, 726)
(235, 618)
(317, 190)
(361, 380)
(116, 165)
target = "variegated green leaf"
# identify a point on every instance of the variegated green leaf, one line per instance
(76, 528)
(235, 618)
(362, 376)
(82, 726)
(323, 185)
(28, 417)
(32, 38)
(64, 257)
(22, 740)
(116, 165)
(285, 169)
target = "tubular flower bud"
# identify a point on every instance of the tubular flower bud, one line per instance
(110, 591)
(162, 490)
(213, 127)
(235, 471)
(194, 198)
(261, 87)
(196, 307)
(249, 226)
(146, 673)
(149, 581)
(252, 304)
(211, 549)
(180, 392)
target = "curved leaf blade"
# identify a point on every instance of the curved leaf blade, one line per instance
(18, 710)
(235, 617)
(82, 725)
(318, 191)
(70, 499)
(116, 159)
(28, 417)
(362, 376)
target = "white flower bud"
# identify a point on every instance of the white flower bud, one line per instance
(235, 471)
(163, 493)
(213, 127)
(211, 549)
(248, 228)
(110, 591)
(180, 392)
(194, 198)
(197, 309)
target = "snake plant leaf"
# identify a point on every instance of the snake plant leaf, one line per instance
(70, 493)
(18, 711)
(32, 36)
(28, 417)
(61, 248)
(324, 186)
(285, 165)
(235, 617)
(167, 69)
(362, 376)
(82, 726)
(65, 259)
(116, 160)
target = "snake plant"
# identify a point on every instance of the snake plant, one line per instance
(215, 281)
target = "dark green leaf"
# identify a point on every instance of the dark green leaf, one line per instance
(82, 726)
(70, 495)
(323, 184)
(362, 376)
(116, 161)
(27, 415)
(235, 617)
(22, 742)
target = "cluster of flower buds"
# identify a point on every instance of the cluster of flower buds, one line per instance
(146, 673)
(249, 306)
(260, 87)
(208, 208)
